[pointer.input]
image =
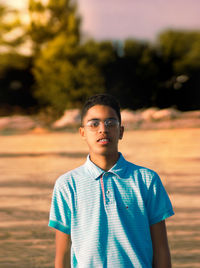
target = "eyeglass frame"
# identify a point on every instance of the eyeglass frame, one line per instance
(96, 120)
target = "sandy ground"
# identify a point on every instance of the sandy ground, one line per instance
(30, 164)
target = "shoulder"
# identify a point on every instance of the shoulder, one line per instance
(145, 174)
(70, 177)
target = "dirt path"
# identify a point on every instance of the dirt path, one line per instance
(30, 164)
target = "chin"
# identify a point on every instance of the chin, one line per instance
(105, 152)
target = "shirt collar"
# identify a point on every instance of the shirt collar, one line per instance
(96, 172)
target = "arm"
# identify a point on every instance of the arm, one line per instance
(161, 253)
(63, 246)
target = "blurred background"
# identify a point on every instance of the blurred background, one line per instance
(54, 54)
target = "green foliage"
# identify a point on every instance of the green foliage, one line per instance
(52, 19)
(62, 70)
(15, 76)
(11, 30)
(182, 48)
(132, 76)
(12, 36)
(181, 55)
(99, 53)
(65, 71)
(65, 75)
(13, 61)
(133, 48)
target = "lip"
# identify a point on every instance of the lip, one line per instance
(103, 140)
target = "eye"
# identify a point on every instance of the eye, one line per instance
(93, 123)
(111, 122)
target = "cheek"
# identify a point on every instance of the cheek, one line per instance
(116, 135)
(90, 137)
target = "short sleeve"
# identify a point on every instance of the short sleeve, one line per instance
(159, 206)
(60, 213)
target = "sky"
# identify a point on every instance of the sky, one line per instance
(140, 19)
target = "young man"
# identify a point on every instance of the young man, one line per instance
(109, 212)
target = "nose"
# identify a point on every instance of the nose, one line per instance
(102, 128)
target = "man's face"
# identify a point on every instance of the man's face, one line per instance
(102, 139)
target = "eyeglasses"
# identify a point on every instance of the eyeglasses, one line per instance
(109, 123)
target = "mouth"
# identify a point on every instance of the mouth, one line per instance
(103, 141)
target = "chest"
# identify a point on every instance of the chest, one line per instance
(111, 193)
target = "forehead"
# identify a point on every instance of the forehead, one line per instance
(100, 112)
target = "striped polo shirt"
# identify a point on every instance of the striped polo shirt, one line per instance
(108, 214)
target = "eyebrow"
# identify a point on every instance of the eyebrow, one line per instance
(97, 119)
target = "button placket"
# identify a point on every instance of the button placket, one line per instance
(108, 189)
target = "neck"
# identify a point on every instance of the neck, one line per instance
(105, 162)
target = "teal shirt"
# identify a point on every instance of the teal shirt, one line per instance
(108, 214)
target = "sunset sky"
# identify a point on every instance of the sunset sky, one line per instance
(141, 19)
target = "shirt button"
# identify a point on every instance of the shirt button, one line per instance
(108, 192)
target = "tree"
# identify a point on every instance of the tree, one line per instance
(181, 53)
(65, 76)
(15, 74)
(65, 70)
(132, 77)
(52, 19)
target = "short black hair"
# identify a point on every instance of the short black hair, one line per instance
(101, 99)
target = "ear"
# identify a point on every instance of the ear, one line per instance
(121, 133)
(82, 132)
